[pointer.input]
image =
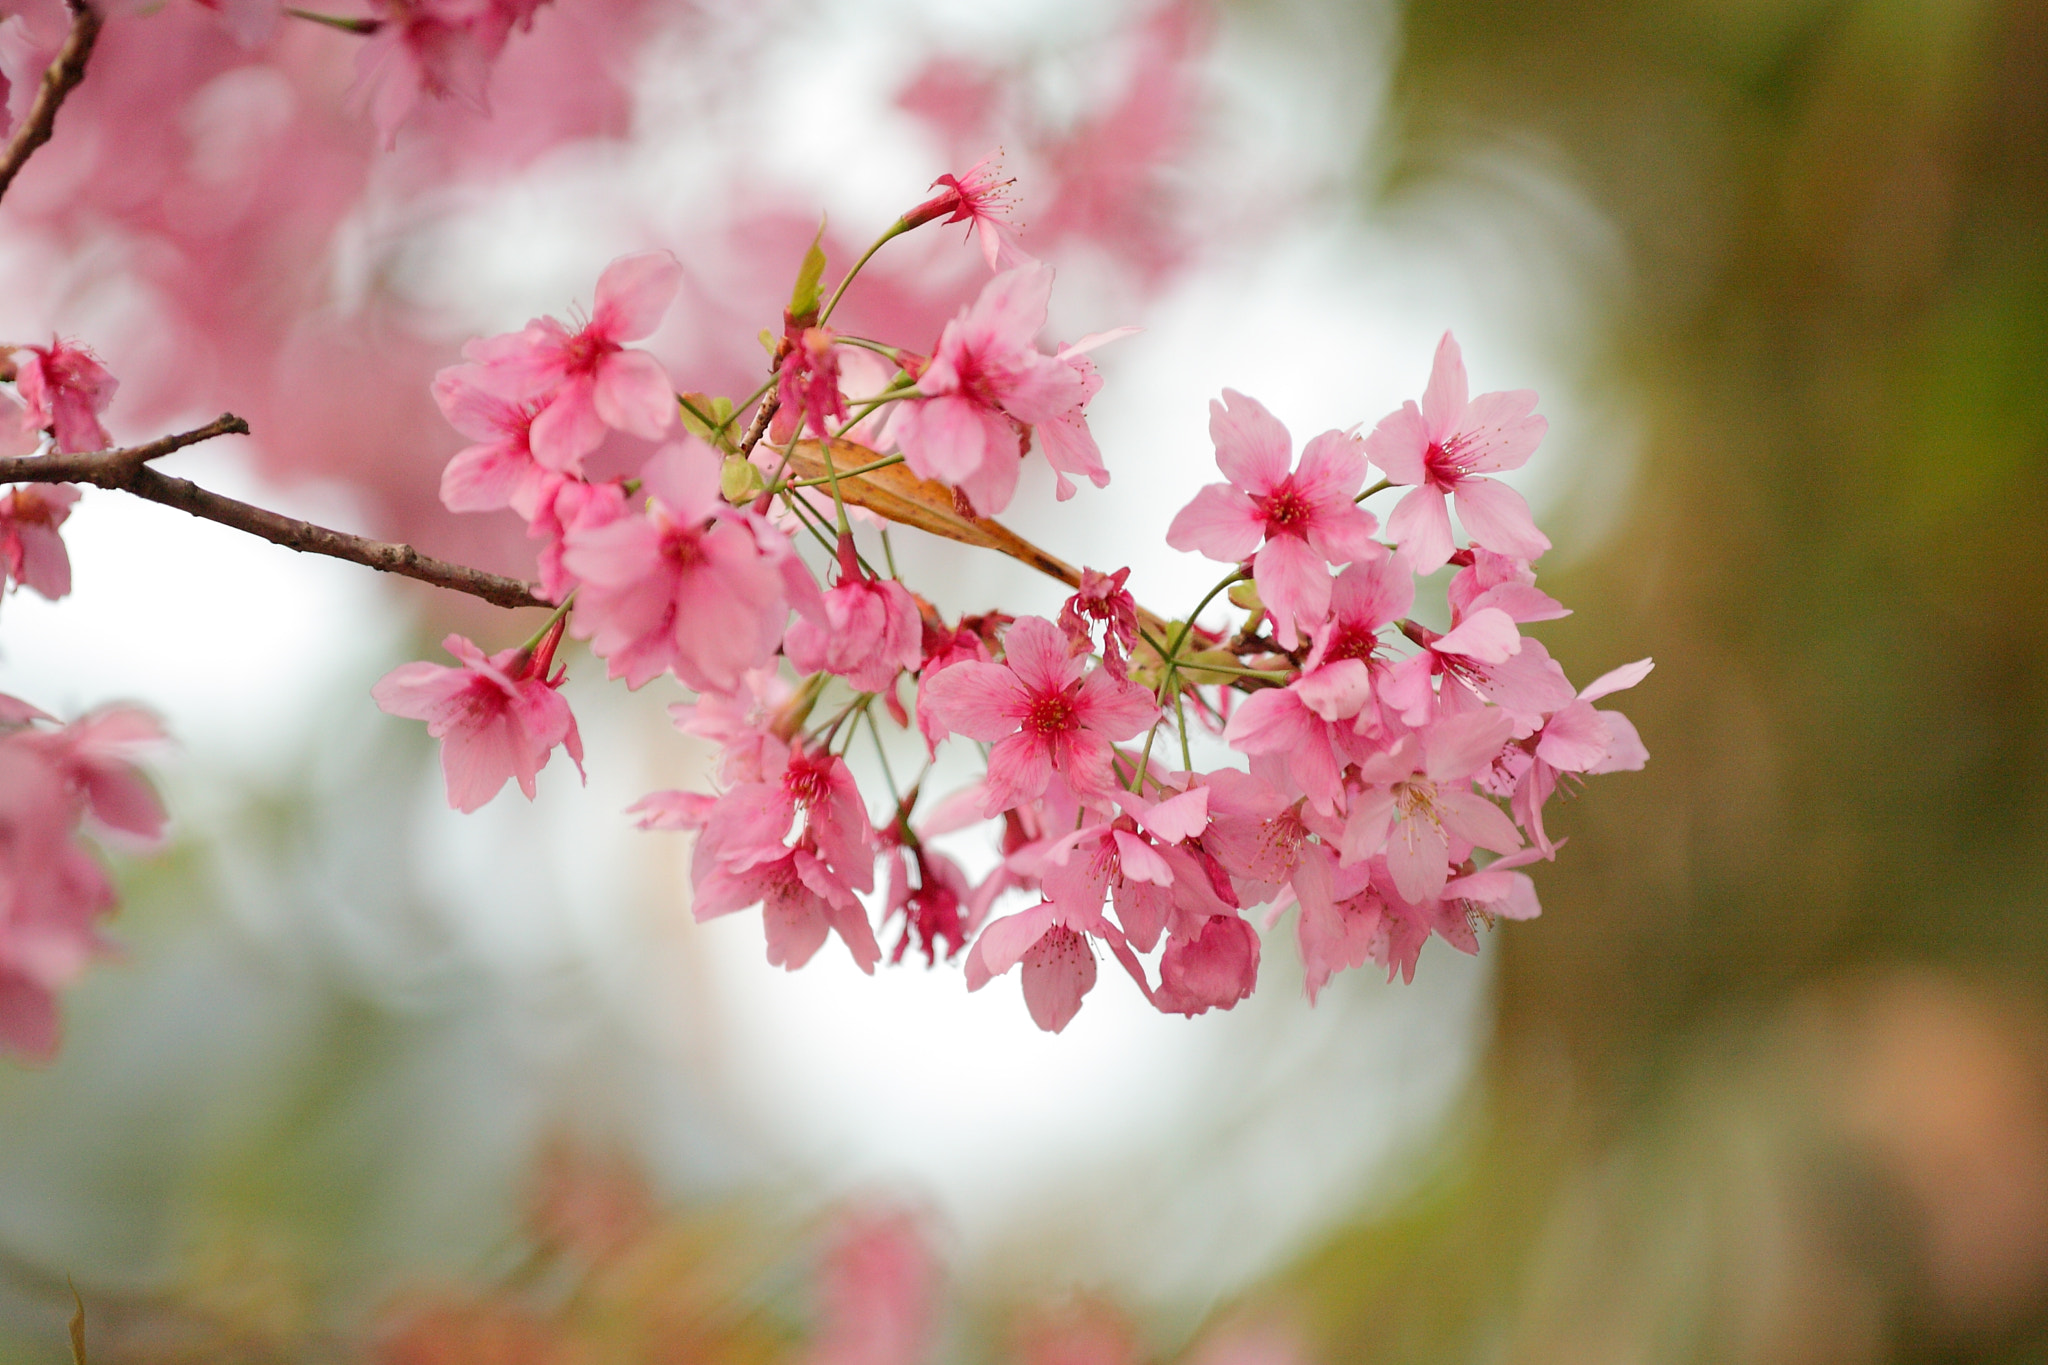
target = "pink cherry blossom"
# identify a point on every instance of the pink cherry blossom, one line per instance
(752, 823)
(980, 198)
(64, 388)
(1213, 968)
(1443, 448)
(500, 469)
(803, 901)
(1102, 598)
(871, 629)
(497, 718)
(987, 382)
(562, 505)
(1482, 656)
(1582, 740)
(1299, 522)
(1059, 965)
(440, 48)
(32, 553)
(1042, 714)
(807, 382)
(1416, 802)
(683, 586)
(586, 380)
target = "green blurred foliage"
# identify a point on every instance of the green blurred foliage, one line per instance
(1833, 329)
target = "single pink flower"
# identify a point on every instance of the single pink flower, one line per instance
(1443, 448)
(497, 718)
(1305, 517)
(1416, 802)
(586, 381)
(64, 388)
(1102, 598)
(870, 633)
(980, 198)
(1042, 714)
(802, 903)
(1211, 969)
(32, 553)
(751, 824)
(1581, 740)
(1059, 965)
(684, 586)
(988, 381)
(500, 469)
(440, 48)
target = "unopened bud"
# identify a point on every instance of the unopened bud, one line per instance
(1246, 595)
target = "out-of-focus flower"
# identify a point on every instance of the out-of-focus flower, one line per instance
(64, 388)
(32, 552)
(979, 197)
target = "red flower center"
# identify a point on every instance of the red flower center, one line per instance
(1286, 511)
(1050, 714)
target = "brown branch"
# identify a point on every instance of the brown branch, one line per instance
(64, 74)
(128, 471)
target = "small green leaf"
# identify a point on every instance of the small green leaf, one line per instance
(1246, 595)
(708, 419)
(803, 300)
(767, 340)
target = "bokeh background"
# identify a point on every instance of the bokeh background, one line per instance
(1767, 1082)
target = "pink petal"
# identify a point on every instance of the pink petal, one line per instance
(1616, 680)
(1574, 739)
(1005, 941)
(1443, 402)
(1625, 751)
(1496, 516)
(1294, 583)
(634, 394)
(634, 293)
(568, 428)
(1019, 766)
(1421, 526)
(1488, 635)
(1221, 523)
(1399, 445)
(1058, 971)
(1037, 650)
(1140, 862)
(981, 701)
(1179, 817)
(1417, 856)
(1500, 431)
(1252, 449)
(1332, 467)
(1477, 820)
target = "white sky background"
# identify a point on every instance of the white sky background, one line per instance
(1177, 1158)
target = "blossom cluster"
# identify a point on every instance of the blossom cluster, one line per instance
(1390, 779)
(55, 781)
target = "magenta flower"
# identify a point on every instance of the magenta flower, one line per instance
(871, 629)
(1305, 518)
(807, 382)
(586, 381)
(684, 586)
(1443, 448)
(1103, 598)
(936, 912)
(978, 198)
(32, 552)
(987, 382)
(1041, 713)
(64, 388)
(497, 718)
(802, 902)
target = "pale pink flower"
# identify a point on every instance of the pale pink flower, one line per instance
(684, 586)
(64, 388)
(497, 718)
(500, 469)
(1416, 802)
(751, 824)
(1582, 740)
(1305, 516)
(586, 380)
(441, 48)
(979, 198)
(562, 505)
(878, 1293)
(1042, 714)
(1213, 968)
(986, 383)
(32, 552)
(871, 629)
(1443, 447)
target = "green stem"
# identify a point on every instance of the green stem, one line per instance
(557, 614)
(1382, 486)
(361, 26)
(890, 351)
(883, 463)
(717, 428)
(896, 229)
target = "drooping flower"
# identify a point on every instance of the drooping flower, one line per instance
(586, 380)
(986, 382)
(1443, 448)
(64, 388)
(980, 198)
(440, 48)
(937, 910)
(1211, 969)
(871, 629)
(807, 381)
(1102, 598)
(1580, 739)
(1042, 714)
(32, 552)
(497, 718)
(685, 585)
(1299, 521)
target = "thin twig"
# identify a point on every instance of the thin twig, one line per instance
(128, 471)
(64, 74)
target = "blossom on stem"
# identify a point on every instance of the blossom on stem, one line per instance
(1577, 738)
(497, 718)
(1442, 448)
(32, 552)
(1300, 522)
(500, 469)
(980, 198)
(1416, 802)
(871, 629)
(987, 382)
(684, 585)
(64, 388)
(585, 381)
(1042, 714)
(807, 380)
(1102, 597)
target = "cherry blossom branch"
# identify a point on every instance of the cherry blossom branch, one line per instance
(64, 74)
(128, 471)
